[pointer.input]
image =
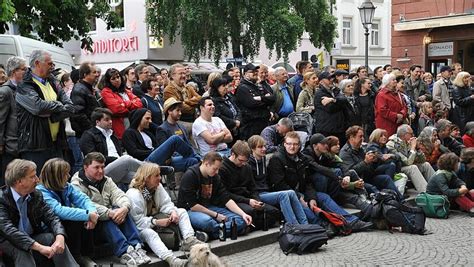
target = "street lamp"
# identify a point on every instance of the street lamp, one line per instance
(367, 10)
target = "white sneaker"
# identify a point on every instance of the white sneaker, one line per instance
(142, 253)
(134, 254)
(127, 259)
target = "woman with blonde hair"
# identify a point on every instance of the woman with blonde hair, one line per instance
(463, 97)
(305, 101)
(75, 209)
(426, 115)
(148, 198)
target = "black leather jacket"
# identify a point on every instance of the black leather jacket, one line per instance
(85, 102)
(39, 215)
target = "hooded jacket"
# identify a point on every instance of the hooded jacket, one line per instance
(132, 139)
(238, 181)
(197, 189)
(259, 171)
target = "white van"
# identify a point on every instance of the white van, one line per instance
(15, 45)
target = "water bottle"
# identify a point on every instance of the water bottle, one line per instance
(233, 230)
(265, 223)
(222, 232)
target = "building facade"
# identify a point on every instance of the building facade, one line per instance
(433, 33)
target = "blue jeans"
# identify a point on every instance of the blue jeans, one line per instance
(76, 153)
(383, 181)
(387, 168)
(166, 150)
(203, 222)
(326, 203)
(325, 184)
(289, 205)
(120, 235)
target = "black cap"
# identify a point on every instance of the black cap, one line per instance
(325, 75)
(341, 72)
(251, 67)
(445, 68)
(317, 138)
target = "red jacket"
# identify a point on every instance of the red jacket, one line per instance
(387, 105)
(120, 108)
(468, 140)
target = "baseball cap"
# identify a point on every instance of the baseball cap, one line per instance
(317, 138)
(325, 75)
(251, 67)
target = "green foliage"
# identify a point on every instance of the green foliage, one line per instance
(209, 28)
(57, 21)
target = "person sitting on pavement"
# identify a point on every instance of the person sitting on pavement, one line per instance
(141, 144)
(414, 165)
(446, 182)
(273, 134)
(355, 157)
(287, 200)
(74, 208)
(444, 134)
(466, 168)
(287, 171)
(210, 132)
(101, 139)
(430, 145)
(208, 203)
(237, 177)
(115, 225)
(23, 213)
(148, 198)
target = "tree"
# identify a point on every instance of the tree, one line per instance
(56, 21)
(209, 27)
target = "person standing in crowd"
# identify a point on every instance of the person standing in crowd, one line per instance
(234, 72)
(463, 97)
(442, 89)
(446, 182)
(303, 68)
(365, 100)
(352, 109)
(284, 95)
(142, 72)
(152, 101)
(113, 206)
(164, 75)
(254, 101)
(16, 68)
(414, 85)
(377, 81)
(209, 131)
(429, 81)
(191, 79)
(149, 199)
(3, 75)
(387, 68)
(24, 214)
(457, 68)
(41, 109)
(76, 211)
(84, 98)
(305, 101)
(119, 100)
(225, 106)
(340, 75)
(329, 104)
(181, 92)
(390, 108)
(207, 201)
(130, 78)
(362, 72)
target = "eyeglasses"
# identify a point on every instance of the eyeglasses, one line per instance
(292, 144)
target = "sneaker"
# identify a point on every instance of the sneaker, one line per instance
(202, 236)
(359, 226)
(127, 259)
(189, 242)
(142, 253)
(134, 254)
(176, 262)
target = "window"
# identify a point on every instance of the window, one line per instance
(374, 34)
(117, 7)
(346, 31)
(93, 24)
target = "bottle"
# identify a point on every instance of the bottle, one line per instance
(222, 232)
(233, 230)
(265, 223)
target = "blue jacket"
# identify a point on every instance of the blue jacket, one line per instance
(76, 207)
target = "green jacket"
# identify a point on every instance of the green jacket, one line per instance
(279, 97)
(444, 183)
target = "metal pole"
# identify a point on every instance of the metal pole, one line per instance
(367, 48)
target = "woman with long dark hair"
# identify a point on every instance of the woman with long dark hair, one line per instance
(226, 109)
(119, 100)
(365, 100)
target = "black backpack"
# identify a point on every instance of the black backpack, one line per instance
(301, 238)
(396, 214)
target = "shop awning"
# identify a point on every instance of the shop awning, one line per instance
(434, 22)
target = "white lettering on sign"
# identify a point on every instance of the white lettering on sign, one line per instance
(440, 49)
(114, 45)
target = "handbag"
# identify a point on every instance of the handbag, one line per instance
(434, 206)
(170, 235)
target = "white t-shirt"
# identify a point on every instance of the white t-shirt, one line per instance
(214, 126)
(147, 140)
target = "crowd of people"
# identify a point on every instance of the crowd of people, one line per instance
(83, 154)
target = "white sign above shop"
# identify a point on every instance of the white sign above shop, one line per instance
(440, 49)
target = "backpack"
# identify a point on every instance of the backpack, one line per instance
(301, 238)
(387, 206)
(338, 222)
(170, 236)
(434, 206)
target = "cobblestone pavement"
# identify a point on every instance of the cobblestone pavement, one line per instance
(452, 243)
